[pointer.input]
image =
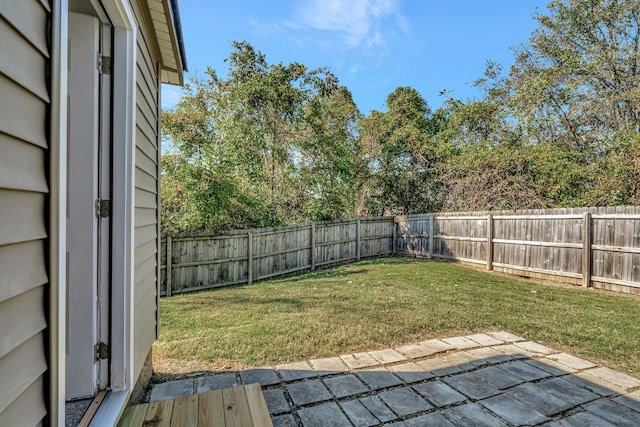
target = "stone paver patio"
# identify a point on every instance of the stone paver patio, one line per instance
(493, 379)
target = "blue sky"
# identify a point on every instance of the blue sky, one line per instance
(373, 46)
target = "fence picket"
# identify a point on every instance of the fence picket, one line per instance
(597, 247)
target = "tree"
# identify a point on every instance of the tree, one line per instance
(560, 129)
(401, 157)
(576, 80)
(268, 145)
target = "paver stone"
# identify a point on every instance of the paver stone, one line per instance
(485, 339)
(330, 365)
(285, 420)
(410, 372)
(296, 371)
(345, 385)
(436, 346)
(404, 401)
(514, 351)
(471, 414)
(461, 343)
(580, 419)
(359, 360)
(435, 419)
(262, 376)
(498, 377)
(306, 392)
(505, 336)
(488, 356)
(378, 408)
(276, 402)
(618, 378)
(524, 370)
(586, 382)
(567, 391)
(378, 379)
(513, 410)
(358, 413)
(387, 356)
(439, 393)
(171, 390)
(472, 386)
(619, 415)
(547, 365)
(439, 366)
(538, 398)
(571, 361)
(328, 414)
(631, 400)
(534, 347)
(414, 351)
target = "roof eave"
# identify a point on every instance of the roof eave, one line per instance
(173, 62)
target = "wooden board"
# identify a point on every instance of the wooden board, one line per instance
(242, 406)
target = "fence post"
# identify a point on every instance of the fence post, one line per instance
(394, 238)
(431, 228)
(313, 246)
(168, 264)
(358, 239)
(489, 248)
(586, 249)
(249, 258)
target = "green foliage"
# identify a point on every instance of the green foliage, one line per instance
(507, 176)
(576, 81)
(272, 144)
(400, 156)
(561, 128)
(269, 145)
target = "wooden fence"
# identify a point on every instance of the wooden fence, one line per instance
(597, 247)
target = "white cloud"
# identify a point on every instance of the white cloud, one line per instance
(357, 23)
(170, 96)
(264, 29)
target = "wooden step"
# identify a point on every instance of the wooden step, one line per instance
(237, 406)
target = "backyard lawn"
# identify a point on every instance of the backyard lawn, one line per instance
(386, 302)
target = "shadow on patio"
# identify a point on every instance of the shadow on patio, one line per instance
(483, 379)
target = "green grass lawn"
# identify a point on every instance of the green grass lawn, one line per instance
(381, 303)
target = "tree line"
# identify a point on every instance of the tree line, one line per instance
(272, 144)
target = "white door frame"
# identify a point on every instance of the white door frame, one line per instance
(84, 155)
(122, 203)
(123, 137)
(58, 212)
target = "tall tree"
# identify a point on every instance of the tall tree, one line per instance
(576, 80)
(250, 148)
(402, 158)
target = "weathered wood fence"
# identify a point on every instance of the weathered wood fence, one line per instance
(592, 247)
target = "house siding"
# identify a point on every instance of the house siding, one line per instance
(146, 190)
(24, 59)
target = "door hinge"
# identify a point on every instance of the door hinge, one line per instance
(103, 208)
(104, 64)
(102, 350)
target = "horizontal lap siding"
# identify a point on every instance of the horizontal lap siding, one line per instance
(24, 57)
(146, 193)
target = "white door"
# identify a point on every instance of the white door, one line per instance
(87, 230)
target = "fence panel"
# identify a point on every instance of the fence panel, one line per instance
(414, 233)
(376, 236)
(335, 242)
(544, 244)
(461, 238)
(207, 262)
(616, 247)
(282, 251)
